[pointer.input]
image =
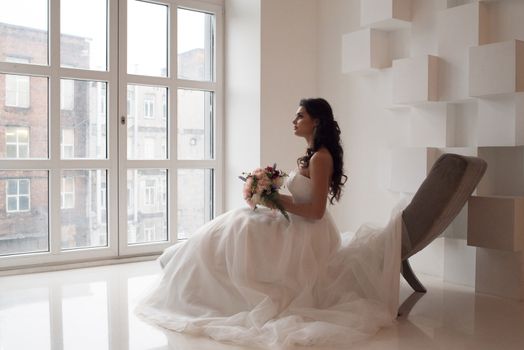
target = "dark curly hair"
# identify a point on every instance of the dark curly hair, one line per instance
(326, 134)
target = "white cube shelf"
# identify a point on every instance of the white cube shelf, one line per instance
(496, 222)
(415, 80)
(496, 68)
(409, 167)
(500, 120)
(432, 125)
(459, 28)
(500, 273)
(505, 173)
(364, 50)
(385, 14)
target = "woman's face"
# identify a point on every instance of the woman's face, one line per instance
(304, 124)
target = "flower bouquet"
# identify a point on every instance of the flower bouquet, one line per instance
(261, 188)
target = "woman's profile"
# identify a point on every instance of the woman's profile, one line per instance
(253, 278)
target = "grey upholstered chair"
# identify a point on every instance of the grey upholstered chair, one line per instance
(441, 196)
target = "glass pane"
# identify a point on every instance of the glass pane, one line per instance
(83, 214)
(83, 123)
(23, 308)
(196, 33)
(146, 128)
(147, 205)
(195, 124)
(83, 26)
(85, 316)
(23, 31)
(23, 211)
(23, 121)
(195, 200)
(146, 38)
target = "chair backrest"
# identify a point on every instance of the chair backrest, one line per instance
(441, 196)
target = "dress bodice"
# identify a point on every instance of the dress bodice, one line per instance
(299, 186)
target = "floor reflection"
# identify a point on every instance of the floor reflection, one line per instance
(93, 309)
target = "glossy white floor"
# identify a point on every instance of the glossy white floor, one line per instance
(92, 309)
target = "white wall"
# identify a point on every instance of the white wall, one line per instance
(242, 95)
(271, 52)
(288, 73)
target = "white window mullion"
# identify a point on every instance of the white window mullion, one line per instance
(54, 129)
(113, 124)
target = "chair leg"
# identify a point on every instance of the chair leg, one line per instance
(410, 277)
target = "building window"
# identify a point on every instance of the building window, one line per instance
(164, 106)
(130, 103)
(68, 192)
(68, 143)
(103, 196)
(149, 233)
(18, 195)
(17, 91)
(17, 142)
(150, 192)
(67, 94)
(149, 106)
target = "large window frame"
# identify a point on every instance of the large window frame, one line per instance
(116, 163)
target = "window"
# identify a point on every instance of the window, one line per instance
(17, 142)
(130, 103)
(149, 106)
(67, 94)
(149, 233)
(17, 91)
(108, 135)
(68, 192)
(164, 106)
(150, 192)
(17, 86)
(102, 198)
(68, 143)
(18, 195)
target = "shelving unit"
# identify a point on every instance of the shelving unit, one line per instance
(364, 50)
(385, 14)
(415, 80)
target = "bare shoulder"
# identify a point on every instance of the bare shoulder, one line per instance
(322, 158)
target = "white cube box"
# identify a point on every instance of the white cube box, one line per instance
(364, 50)
(459, 28)
(385, 14)
(415, 80)
(505, 173)
(496, 68)
(500, 273)
(432, 125)
(496, 222)
(409, 167)
(500, 120)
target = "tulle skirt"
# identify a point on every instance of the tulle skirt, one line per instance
(254, 278)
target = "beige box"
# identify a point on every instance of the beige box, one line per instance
(385, 14)
(496, 68)
(365, 49)
(496, 222)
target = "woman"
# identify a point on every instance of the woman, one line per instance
(253, 278)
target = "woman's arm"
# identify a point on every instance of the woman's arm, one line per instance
(320, 170)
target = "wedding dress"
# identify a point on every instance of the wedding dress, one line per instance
(254, 278)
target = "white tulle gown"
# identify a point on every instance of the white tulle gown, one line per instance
(253, 278)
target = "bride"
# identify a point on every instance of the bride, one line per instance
(253, 278)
